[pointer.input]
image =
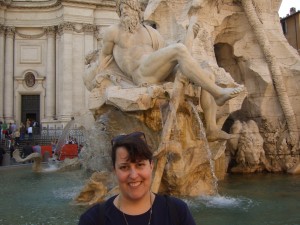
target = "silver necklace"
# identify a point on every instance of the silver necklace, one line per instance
(125, 216)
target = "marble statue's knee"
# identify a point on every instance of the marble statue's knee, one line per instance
(180, 49)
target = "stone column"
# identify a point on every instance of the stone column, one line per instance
(2, 62)
(50, 74)
(65, 76)
(89, 30)
(9, 74)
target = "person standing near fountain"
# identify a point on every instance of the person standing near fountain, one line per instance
(2, 152)
(136, 204)
(37, 148)
(27, 150)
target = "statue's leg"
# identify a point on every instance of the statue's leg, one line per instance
(156, 66)
(209, 107)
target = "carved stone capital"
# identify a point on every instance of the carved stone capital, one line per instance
(89, 28)
(2, 29)
(98, 33)
(10, 32)
(65, 27)
(5, 2)
(49, 31)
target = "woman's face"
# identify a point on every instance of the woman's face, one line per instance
(134, 178)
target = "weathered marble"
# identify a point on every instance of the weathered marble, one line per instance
(238, 41)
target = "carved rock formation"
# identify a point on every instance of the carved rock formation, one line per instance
(247, 148)
(35, 157)
(95, 190)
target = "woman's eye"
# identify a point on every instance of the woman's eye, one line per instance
(141, 164)
(123, 167)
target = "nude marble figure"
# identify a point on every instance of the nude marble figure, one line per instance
(140, 53)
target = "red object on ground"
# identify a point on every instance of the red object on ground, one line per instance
(68, 151)
(46, 148)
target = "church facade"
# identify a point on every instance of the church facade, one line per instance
(43, 44)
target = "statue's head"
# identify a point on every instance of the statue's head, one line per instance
(133, 4)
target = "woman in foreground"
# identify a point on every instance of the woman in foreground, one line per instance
(136, 204)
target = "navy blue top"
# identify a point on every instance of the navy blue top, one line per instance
(160, 214)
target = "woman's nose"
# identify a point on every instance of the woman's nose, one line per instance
(133, 173)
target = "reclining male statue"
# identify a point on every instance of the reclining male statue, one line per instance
(140, 53)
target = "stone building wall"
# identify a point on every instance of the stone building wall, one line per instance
(291, 28)
(42, 51)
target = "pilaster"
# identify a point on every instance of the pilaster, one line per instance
(50, 76)
(65, 71)
(2, 63)
(9, 74)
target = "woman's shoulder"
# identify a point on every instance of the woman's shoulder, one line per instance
(96, 213)
(91, 215)
(177, 208)
(172, 204)
(170, 199)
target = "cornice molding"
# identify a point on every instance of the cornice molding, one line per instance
(52, 3)
(27, 36)
(108, 3)
(11, 31)
(30, 4)
(68, 27)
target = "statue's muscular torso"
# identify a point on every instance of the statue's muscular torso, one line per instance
(130, 49)
(140, 55)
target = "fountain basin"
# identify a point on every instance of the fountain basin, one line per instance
(44, 198)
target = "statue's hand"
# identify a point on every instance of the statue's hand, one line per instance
(91, 57)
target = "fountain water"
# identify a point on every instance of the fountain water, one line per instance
(44, 198)
(62, 138)
(209, 154)
(53, 165)
(53, 162)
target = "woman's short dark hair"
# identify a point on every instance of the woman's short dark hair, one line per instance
(136, 145)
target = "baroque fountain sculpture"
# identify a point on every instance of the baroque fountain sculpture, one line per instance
(212, 45)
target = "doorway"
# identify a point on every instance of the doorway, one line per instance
(30, 108)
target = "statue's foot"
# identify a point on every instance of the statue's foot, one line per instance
(217, 135)
(229, 93)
